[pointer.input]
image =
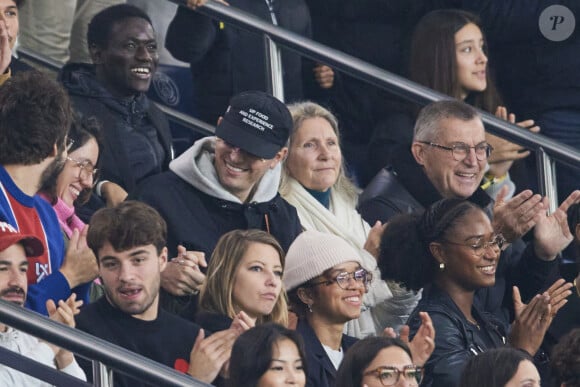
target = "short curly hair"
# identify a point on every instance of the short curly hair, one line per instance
(35, 115)
(566, 359)
(404, 254)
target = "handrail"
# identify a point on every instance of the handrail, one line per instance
(91, 347)
(386, 80)
(357, 68)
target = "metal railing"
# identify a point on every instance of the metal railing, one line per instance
(547, 150)
(90, 347)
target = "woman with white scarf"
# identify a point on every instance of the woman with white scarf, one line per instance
(314, 182)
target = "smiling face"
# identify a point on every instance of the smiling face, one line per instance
(127, 64)
(132, 278)
(73, 179)
(526, 376)
(238, 171)
(333, 304)
(258, 280)
(286, 367)
(314, 157)
(13, 267)
(9, 17)
(462, 265)
(471, 59)
(450, 177)
(388, 357)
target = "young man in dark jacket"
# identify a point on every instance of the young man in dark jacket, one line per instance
(225, 183)
(136, 135)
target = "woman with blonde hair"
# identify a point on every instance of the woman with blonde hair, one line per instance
(244, 274)
(314, 181)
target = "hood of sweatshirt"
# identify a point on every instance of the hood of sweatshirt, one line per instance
(196, 166)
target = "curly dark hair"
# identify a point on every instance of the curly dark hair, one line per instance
(404, 254)
(35, 115)
(566, 359)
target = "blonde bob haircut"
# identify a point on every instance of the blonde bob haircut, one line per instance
(216, 295)
(302, 111)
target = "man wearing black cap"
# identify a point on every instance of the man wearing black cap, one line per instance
(224, 183)
(15, 250)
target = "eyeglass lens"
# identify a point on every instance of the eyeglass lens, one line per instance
(460, 151)
(360, 275)
(390, 376)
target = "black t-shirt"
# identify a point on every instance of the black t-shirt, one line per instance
(167, 339)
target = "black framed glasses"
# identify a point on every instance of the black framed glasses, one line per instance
(390, 375)
(480, 246)
(343, 278)
(86, 168)
(460, 150)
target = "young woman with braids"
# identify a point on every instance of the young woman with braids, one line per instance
(451, 251)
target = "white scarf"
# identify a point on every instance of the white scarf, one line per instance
(343, 220)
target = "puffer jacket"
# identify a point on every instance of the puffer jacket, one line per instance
(117, 116)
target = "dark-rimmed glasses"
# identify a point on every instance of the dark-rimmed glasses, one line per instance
(390, 375)
(460, 150)
(342, 279)
(479, 247)
(86, 168)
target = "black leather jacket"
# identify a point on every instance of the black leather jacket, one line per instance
(457, 339)
(404, 188)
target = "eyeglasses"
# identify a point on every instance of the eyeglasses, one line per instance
(479, 247)
(86, 168)
(460, 150)
(342, 279)
(390, 375)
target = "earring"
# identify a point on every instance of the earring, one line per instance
(441, 266)
(309, 308)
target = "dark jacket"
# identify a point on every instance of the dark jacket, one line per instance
(321, 371)
(456, 340)
(403, 187)
(225, 60)
(544, 75)
(119, 117)
(199, 210)
(197, 220)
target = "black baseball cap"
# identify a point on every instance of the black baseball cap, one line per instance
(9, 235)
(256, 122)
